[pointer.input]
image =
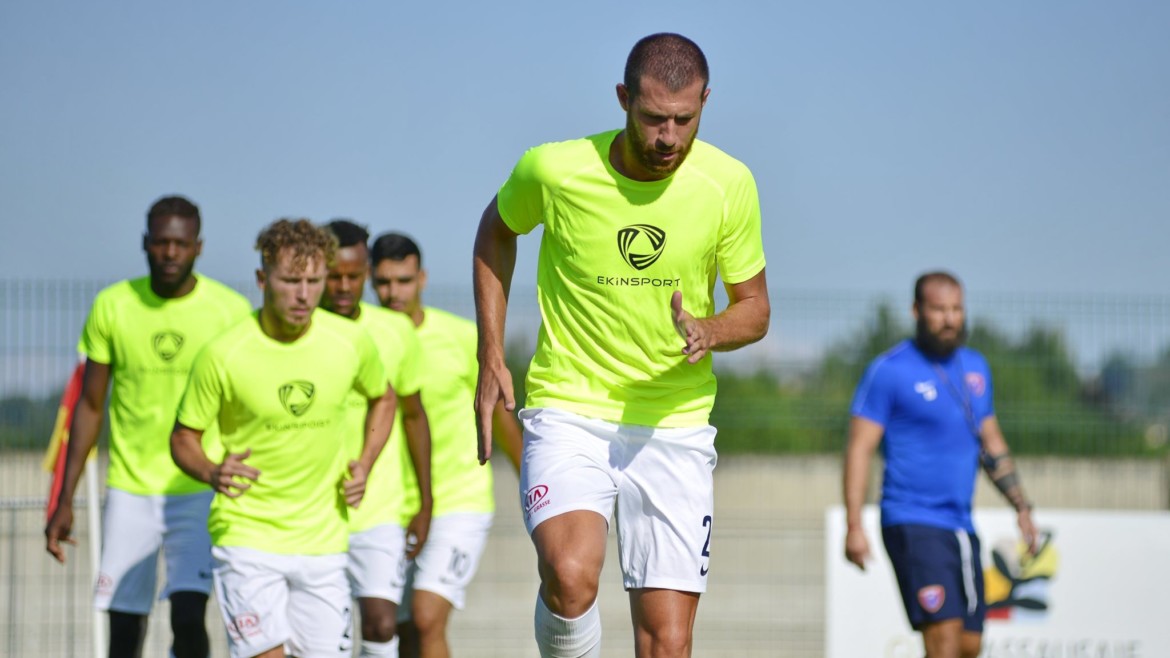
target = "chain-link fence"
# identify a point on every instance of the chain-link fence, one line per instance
(1082, 388)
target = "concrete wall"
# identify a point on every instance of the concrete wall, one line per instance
(766, 595)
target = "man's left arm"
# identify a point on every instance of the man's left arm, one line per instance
(418, 445)
(379, 420)
(743, 322)
(1001, 469)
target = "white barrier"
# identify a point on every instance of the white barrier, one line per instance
(1098, 588)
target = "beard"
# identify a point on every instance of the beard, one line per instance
(644, 153)
(169, 282)
(936, 345)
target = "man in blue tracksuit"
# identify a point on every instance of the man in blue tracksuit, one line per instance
(928, 402)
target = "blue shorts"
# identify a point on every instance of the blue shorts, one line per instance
(940, 574)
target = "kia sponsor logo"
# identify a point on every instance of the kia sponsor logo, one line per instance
(245, 624)
(534, 496)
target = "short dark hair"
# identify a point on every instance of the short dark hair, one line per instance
(669, 58)
(174, 206)
(348, 233)
(394, 246)
(938, 276)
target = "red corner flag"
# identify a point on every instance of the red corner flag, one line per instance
(58, 444)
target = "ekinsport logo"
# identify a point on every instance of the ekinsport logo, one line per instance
(641, 245)
(628, 239)
(167, 344)
(296, 397)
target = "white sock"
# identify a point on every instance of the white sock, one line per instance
(557, 637)
(374, 649)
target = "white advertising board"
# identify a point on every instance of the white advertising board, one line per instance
(1098, 588)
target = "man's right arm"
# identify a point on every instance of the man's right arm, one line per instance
(187, 452)
(88, 414)
(230, 477)
(492, 267)
(864, 437)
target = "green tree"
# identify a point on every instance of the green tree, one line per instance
(1042, 403)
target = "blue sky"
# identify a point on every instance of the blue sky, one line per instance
(1025, 145)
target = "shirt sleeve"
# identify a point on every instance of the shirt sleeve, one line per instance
(873, 399)
(202, 399)
(407, 381)
(740, 253)
(520, 200)
(371, 375)
(983, 394)
(95, 341)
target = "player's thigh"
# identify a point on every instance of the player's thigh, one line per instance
(943, 639)
(319, 608)
(665, 509)
(451, 556)
(132, 534)
(186, 543)
(430, 612)
(376, 563)
(565, 466)
(253, 594)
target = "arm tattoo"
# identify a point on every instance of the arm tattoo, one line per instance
(1002, 471)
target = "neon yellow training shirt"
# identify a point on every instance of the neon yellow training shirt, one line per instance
(614, 250)
(397, 343)
(149, 343)
(286, 402)
(458, 482)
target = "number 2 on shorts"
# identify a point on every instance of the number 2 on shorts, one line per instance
(707, 523)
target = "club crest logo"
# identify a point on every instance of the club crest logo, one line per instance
(297, 396)
(641, 245)
(976, 383)
(932, 598)
(167, 344)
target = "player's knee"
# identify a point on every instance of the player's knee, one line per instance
(669, 640)
(970, 645)
(188, 610)
(569, 583)
(428, 620)
(188, 629)
(378, 627)
(127, 632)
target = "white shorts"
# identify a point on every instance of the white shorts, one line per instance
(658, 480)
(134, 529)
(377, 562)
(268, 600)
(449, 559)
